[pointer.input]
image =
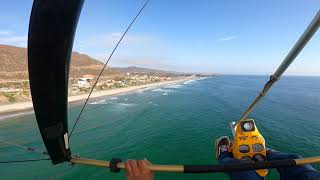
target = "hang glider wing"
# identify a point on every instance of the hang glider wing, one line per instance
(51, 33)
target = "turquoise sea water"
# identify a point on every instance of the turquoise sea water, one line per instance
(173, 124)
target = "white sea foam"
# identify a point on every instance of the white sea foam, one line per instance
(125, 104)
(154, 104)
(175, 86)
(190, 81)
(158, 90)
(141, 90)
(152, 87)
(5, 117)
(113, 98)
(99, 102)
(165, 94)
(164, 91)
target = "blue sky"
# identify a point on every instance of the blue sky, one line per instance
(229, 37)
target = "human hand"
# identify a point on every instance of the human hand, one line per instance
(138, 170)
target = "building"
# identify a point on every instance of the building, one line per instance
(85, 81)
(10, 90)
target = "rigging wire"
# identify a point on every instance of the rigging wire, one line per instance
(105, 65)
(25, 160)
(31, 149)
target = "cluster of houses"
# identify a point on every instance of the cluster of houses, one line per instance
(85, 82)
(11, 94)
(15, 91)
(11, 90)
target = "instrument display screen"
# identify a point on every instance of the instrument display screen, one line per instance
(244, 148)
(247, 126)
(257, 147)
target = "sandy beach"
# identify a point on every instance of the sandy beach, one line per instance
(17, 109)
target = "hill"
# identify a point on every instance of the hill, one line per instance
(14, 64)
(134, 69)
(14, 86)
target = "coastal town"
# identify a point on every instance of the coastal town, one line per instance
(14, 79)
(84, 84)
(15, 95)
(19, 91)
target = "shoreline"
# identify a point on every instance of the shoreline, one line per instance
(23, 108)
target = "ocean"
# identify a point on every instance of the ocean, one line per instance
(172, 124)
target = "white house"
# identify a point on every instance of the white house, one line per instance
(82, 82)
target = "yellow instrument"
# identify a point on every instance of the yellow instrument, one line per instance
(248, 143)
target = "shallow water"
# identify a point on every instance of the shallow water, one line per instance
(174, 124)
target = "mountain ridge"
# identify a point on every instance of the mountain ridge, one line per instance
(14, 63)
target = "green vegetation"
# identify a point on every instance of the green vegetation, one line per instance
(11, 96)
(26, 84)
(100, 87)
(84, 89)
(119, 78)
(25, 93)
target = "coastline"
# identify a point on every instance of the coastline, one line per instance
(22, 108)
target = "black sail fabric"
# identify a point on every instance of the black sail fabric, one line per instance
(51, 33)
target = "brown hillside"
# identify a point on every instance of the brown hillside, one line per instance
(13, 59)
(14, 63)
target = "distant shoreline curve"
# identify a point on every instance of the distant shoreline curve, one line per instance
(22, 108)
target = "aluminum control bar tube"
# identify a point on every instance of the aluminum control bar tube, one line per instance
(303, 40)
(205, 168)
